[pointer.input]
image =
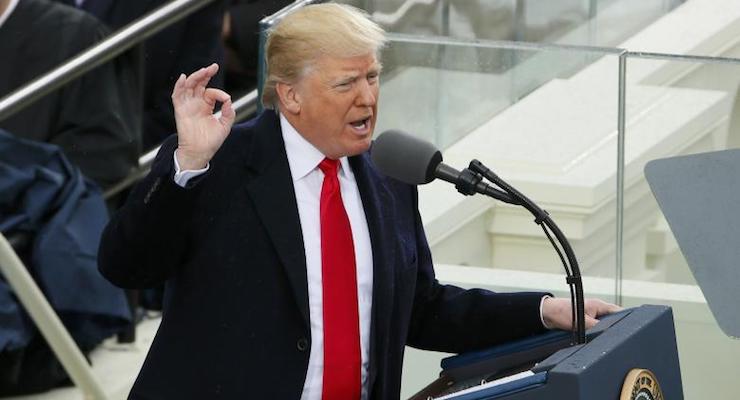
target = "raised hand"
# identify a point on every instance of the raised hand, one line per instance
(200, 133)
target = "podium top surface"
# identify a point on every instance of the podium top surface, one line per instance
(699, 195)
(635, 338)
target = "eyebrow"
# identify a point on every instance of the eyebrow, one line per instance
(351, 76)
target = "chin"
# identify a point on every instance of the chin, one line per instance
(359, 148)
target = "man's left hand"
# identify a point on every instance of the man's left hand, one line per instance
(556, 312)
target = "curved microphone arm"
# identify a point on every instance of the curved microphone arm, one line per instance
(469, 183)
(573, 273)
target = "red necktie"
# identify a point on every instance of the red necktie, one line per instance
(339, 280)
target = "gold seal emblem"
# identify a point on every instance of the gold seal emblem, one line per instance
(641, 384)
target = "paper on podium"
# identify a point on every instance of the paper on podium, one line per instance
(699, 195)
(487, 385)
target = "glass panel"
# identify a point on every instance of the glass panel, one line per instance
(546, 125)
(582, 22)
(455, 86)
(677, 107)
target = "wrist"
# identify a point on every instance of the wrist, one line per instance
(189, 161)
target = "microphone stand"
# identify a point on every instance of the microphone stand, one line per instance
(469, 179)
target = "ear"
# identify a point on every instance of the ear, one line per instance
(290, 101)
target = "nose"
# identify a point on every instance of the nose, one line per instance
(367, 94)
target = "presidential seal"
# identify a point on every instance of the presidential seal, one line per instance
(641, 384)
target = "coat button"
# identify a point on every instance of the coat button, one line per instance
(302, 344)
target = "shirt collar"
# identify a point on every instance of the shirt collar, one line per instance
(4, 16)
(303, 157)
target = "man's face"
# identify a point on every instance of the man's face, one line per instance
(337, 103)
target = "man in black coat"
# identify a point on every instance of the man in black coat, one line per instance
(245, 227)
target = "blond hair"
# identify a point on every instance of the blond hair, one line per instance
(302, 37)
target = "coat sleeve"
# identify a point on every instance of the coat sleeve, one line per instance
(148, 237)
(451, 319)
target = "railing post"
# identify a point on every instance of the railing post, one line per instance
(104, 51)
(48, 322)
(621, 127)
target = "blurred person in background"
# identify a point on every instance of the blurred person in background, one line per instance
(181, 47)
(184, 46)
(241, 33)
(93, 118)
(94, 121)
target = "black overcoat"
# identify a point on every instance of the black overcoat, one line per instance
(235, 322)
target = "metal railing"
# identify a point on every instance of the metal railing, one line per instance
(117, 43)
(244, 107)
(51, 327)
(11, 266)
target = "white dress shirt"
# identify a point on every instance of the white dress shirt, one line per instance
(303, 159)
(9, 10)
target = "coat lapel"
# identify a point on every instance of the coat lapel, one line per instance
(378, 205)
(271, 189)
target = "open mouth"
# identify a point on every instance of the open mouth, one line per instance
(361, 124)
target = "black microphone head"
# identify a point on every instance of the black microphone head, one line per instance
(405, 157)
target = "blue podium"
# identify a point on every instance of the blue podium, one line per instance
(547, 367)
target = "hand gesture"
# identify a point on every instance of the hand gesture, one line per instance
(200, 132)
(556, 312)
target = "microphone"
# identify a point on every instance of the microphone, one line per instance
(416, 162)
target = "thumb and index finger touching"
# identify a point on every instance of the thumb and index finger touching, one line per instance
(194, 87)
(191, 97)
(228, 114)
(200, 131)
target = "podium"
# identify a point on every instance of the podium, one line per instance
(547, 367)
